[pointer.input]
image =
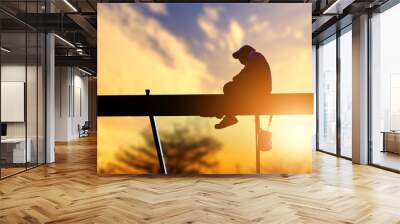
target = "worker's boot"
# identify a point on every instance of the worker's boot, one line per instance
(226, 122)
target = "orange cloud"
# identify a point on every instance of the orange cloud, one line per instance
(172, 63)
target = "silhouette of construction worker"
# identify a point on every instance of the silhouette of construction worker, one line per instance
(252, 81)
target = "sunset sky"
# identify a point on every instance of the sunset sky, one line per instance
(187, 48)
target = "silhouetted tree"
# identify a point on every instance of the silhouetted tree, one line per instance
(186, 151)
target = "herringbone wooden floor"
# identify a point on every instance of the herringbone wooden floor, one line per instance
(70, 191)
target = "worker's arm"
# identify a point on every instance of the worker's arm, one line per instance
(239, 76)
(246, 72)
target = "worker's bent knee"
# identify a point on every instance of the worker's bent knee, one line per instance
(228, 87)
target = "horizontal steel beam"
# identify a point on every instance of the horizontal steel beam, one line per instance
(49, 22)
(85, 61)
(204, 105)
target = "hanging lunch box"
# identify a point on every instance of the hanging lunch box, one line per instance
(264, 138)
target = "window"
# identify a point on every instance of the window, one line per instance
(346, 92)
(385, 89)
(22, 88)
(327, 95)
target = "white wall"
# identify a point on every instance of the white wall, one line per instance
(12, 73)
(33, 127)
(62, 81)
(81, 103)
(71, 102)
(12, 101)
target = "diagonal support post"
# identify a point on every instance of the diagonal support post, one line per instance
(157, 142)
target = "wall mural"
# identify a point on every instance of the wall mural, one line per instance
(216, 73)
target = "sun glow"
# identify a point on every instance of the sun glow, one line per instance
(165, 50)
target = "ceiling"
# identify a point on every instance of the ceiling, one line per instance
(75, 23)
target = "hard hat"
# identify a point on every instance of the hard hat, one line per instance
(243, 51)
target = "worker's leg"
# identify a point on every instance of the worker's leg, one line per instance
(227, 89)
(228, 92)
(228, 120)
